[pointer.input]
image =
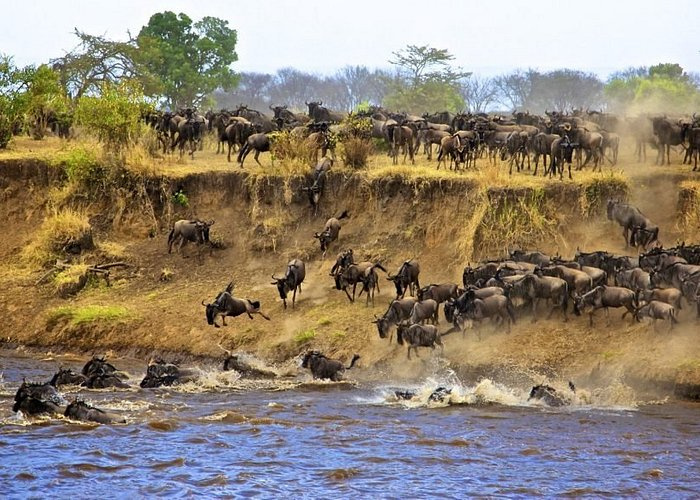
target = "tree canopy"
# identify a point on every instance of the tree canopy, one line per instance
(189, 59)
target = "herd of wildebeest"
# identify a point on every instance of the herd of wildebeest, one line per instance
(460, 138)
(654, 284)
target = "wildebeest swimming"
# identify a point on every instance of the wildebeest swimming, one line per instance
(549, 395)
(325, 368)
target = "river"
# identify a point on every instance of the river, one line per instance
(227, 436)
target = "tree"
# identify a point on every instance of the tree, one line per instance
(115, 115)
(479, 93)
(190, 59)
(424, 81)
(96, 61)
(662, 88)
(43, 99)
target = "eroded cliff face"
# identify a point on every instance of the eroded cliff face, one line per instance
(262, 222)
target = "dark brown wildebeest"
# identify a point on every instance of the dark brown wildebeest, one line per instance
(470, 275)
(406, 278)
(318, 177)
(604, 297)
(34, 399)
(468, 307)
(324, 368)
(674, 275)
(320, 113)
(236, 133)
(352, 274)
(630, 217)
(657, 310)
(418, 336)
(692, 135)
(399, 310)
(80, 410)
(370, 281)
(450, 146)
(226, 304)
(578, 281)
(67, 377)
(260, 120)
(282, 113)
(635, 279)
(439, 293)
(400, 137)
(260, 143)
(542, 146)
(668, 134)
(537, 258)
(428, 137)
(293, 278)
(330, 231)
(184, 231)
(561, 152)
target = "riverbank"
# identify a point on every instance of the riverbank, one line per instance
(263, 220)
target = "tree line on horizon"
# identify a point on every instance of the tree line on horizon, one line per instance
(176, 62)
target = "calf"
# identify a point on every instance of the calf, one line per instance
(418, 336)
(370, 281)
(324, 368)
(670, 296)
(293, 278)
(657, 310)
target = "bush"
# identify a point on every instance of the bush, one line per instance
(356, 151)
(65, 231)
(114, 116)
(287, 146)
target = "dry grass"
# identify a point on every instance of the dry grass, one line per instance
(56, 230)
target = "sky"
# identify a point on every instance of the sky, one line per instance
(487, 38)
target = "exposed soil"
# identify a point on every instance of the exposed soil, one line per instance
(265, 221)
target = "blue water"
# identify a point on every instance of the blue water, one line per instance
(227, 437)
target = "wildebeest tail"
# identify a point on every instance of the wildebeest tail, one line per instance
(171, 239)
(352, 363)
(343, 215)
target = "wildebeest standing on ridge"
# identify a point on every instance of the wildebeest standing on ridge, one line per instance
(184, 231)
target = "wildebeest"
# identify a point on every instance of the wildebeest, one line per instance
(185, 231)
(324, 368)
(604, 297)
(542, 146)
(657, 310)
(451, 146)
(400, 137)
(80, 410)
(330, 231)
(34, 399)
(423, 311)
(668, 134)
(319, 113)
(159, 373)
(578, 281)
(674, 275)
(67, 377)
(104, 381)
(533, 288)
(370, 281)
(98, 365)
(293, 278)
(537, 258)
(630, 217)
(561, 152)
(319, 182)
(259, 142)
(439, 293)
(240, 363)
(635, 279)
(670, 296)
(418, 336)
(406, 278)
(226, 304)
(468, 307)
(399, 310)
(189, 131)
(549, 395)
(352, 274)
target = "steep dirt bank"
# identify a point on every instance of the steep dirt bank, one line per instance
(265, 221)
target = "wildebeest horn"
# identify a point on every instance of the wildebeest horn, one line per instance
(270, 106)
(205, 305)
(306, 103)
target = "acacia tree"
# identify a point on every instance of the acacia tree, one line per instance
(190, 59)
(425, 81)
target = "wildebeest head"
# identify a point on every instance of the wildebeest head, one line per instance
(610, 207)
(324, 239)
(310, 357)
(383, 326)
(213, 309)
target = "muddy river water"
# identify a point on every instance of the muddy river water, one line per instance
(225, 436)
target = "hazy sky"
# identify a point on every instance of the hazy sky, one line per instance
(321, 36)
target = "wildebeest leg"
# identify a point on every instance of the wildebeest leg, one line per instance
(351, 299)
(257, 153)
(590, 318)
